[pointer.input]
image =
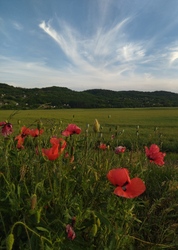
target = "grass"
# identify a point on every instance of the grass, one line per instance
(40, 197)
(158, 124)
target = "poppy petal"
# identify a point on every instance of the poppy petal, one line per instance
(66, 133)
(71, 129)
(59, 142)
(118, 176)
(51, 153)
(120, 149)
(25, 131)
(2, 123)
(20, 141)
(135, 188)
(54, 141)
(70, 232)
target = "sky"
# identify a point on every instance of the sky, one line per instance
(90, 44)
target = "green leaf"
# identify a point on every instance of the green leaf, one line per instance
(42, 229)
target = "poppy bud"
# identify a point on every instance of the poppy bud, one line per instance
(98, 222)
(33, 201)
(96, 126)
(94, 230)
(9, 241)
(38, 216)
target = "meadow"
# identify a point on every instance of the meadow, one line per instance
(59, 193)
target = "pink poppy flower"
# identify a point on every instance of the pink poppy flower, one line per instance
(2, 123)
(154, 155)
(6, 128)
(120, 149)
(71, 129)
(126, 187)
(70, 230)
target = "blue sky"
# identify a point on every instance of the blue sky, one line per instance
(89, 44)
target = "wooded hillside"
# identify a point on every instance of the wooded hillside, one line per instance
(61, 97)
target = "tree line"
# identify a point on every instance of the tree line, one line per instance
(60, 97)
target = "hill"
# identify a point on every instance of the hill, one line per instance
(61, 97)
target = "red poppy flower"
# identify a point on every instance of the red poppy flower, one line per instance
(126, 187)
(20, 140)
(51, 153)
(58, 146)
(32, 132)
(154, 155)
(102, 146)
(6, 128)
(60, 142)
(25, 131)
(71, 129)
(120, 149)
(36, 132)
(21, 137)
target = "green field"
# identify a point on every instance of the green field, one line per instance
(166, 117)
(42, 198)
(158, 124)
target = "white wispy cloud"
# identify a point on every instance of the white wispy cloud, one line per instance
(91, 54)
(38, 74)
(173, 55)
(68, 42)
(131, 52)
(17, 25)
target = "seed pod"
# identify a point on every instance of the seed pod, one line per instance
(9, 242)
(96, 176)
(33, 201)
(38, 216)
(98, 222)
(94, 230)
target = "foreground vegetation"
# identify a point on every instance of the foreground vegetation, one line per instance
(68, 202)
